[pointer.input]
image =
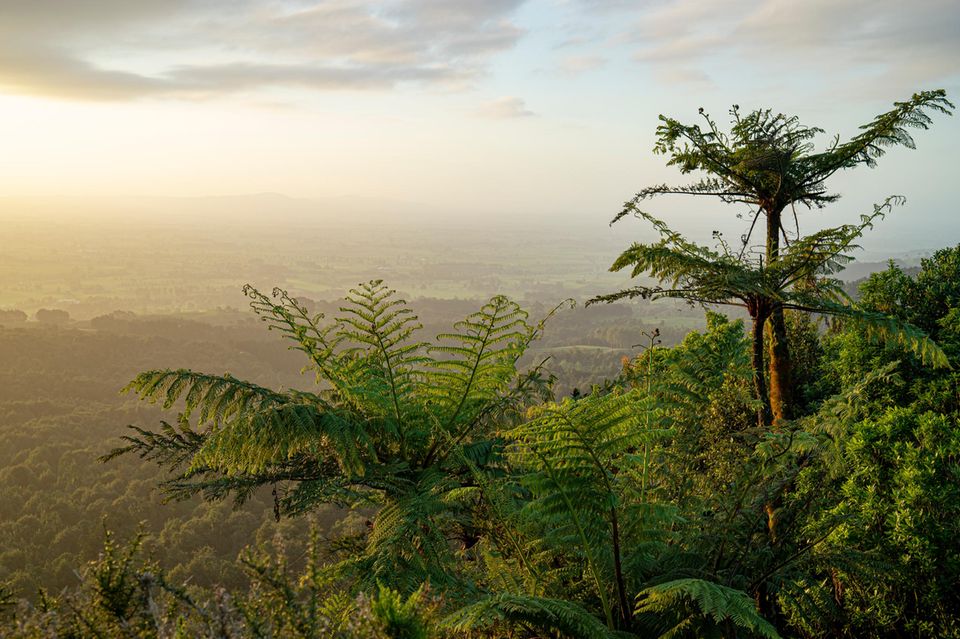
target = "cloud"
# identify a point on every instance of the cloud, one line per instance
(50, 72)
(576, 64)
(905, 44)
(117, 49)
(508, 107)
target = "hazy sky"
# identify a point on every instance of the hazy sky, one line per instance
(507, 106)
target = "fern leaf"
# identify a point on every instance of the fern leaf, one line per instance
(545, 615)
(696, 602)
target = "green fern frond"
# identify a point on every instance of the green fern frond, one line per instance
(172, 446)
(884, 329)
(544, 615)
(377, 329)
(571, 454)
(287, 315)
(407, 545)
(478, 360)
(886, 130)
(702, 602)
(277, 434)
(216, 398)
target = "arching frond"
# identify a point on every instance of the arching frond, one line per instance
(886, 130)
(478, 361)
(473, 373)
(544, 615)
(172, 446)
(278, 433)
(407, 545)
(574, 457)
(690, 607)
(294, 322)
(691, 271)
(377, 330)
(827, 252)
(212, 399)
(879, 328)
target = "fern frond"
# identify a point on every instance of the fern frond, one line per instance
(172, 446)
(702, 602)
(574, 455)
(479, 359)
(383, 361)
(886, 130)
(880, 328)
(278, 433)
(545, 615)
(286, 314)
(407, 545)
(217, 398)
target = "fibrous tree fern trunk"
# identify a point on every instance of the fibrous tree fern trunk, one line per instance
(779, 364)
(780, 368)
(759, 313)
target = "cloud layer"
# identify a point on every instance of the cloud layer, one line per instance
(128, 49)
(117, 49)
(890, 40)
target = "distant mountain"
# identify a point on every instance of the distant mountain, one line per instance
(277, 210)
(254, 209)
(852, 287)
(861, 270)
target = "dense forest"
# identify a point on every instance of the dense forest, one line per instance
(789, 470)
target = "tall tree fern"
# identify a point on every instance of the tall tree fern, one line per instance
(768, 162)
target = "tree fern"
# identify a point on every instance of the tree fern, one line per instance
(767, 161)
(393, 421)
(800, 279)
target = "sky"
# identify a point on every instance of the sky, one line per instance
(494, 107)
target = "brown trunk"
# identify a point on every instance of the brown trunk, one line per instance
(779, 360)
(759, 383)
(781, 386)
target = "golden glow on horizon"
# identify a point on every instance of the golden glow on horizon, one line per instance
(447, 157)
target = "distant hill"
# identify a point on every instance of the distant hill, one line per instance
(852, 287)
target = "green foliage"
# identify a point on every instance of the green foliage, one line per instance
(768, 161)
(505, 610)
(897, 447)
(576, 458)
(929, 300)
(59, 404)
(701, 390)
(698, 608)
(390, 423)
(799, 280)
(770, 158)
(401, 619)
(654, 506)
(121, 596)
(905, 492)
